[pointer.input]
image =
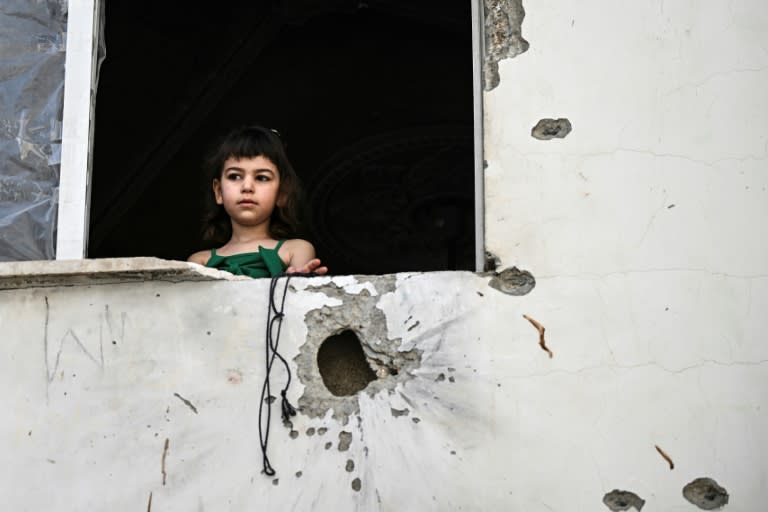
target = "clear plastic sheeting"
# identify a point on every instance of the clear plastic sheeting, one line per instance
(32, 43)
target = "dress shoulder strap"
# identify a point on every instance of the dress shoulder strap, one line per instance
(279, 244)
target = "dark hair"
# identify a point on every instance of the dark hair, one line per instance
(247, 142)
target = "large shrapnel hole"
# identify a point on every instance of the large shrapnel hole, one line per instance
(342, 364)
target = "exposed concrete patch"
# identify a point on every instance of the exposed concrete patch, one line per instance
(547, 129)
(706, 494)
(513, 281)
(359, 314)
(617, 500)
(503, 36)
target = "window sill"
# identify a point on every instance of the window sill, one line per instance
(38, 274)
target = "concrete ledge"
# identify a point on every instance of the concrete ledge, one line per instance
(28, 274)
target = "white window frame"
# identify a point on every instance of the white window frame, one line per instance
(81, 67)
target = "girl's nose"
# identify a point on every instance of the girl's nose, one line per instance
(247, 184)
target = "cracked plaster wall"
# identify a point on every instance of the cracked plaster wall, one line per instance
(644, 231)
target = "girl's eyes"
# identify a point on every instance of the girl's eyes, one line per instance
(236, 177)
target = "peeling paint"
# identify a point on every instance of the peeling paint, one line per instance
(503, 37)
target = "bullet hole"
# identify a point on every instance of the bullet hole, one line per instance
(294, 434)
(328, 445)
(415, 420)
(356, 484)
(342, 364)
(350, 467)
(399, 412)
(345, 439)
(208, 333)
(547, 129)
(451, 379)
(491, 263)
(114, 342)
(321, 431)
(275, 481)
(513, 281)
(298, 474)
(311, 431)
(706, 494)
(451, 369)
(453, 452)
(440, 378)
(157, 295)
(617, 500)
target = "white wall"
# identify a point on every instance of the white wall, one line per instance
(654, 313)
(646, 230)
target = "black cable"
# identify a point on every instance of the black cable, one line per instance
(274, 316)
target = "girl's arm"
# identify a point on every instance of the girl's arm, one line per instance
(302, 258)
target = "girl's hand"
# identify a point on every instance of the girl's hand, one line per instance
(312, 266)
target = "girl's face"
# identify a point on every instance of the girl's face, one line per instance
(248, 189)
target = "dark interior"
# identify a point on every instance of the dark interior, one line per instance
(373, 99)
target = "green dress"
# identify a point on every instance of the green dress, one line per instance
(264, 263)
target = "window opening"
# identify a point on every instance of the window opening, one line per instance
(374, 100)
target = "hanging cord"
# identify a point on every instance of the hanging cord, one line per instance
(274, 318)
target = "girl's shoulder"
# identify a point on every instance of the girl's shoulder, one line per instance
(200, 257)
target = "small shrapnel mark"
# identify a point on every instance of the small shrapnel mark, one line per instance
(541, 329)
(453, 452)
(480, 294)
(670, 206)
(294, 434)
(547, 129)
(186, 402)
(440, 378)
(665, 456)
(451, 379)
(706, 494)
(275, 481)
(311, 431)
(513, 281)
(617, 500)
(399, 412)
(415, 419)
(356, 484)
(350, 467)
(345, 439)
(321, 431)
(451, 369)
(328, 445)
(414, 326)
(162, 461)
(298, 474)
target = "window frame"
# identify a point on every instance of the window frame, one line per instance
(80, 81)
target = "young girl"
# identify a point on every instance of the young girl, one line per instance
(252, 211)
